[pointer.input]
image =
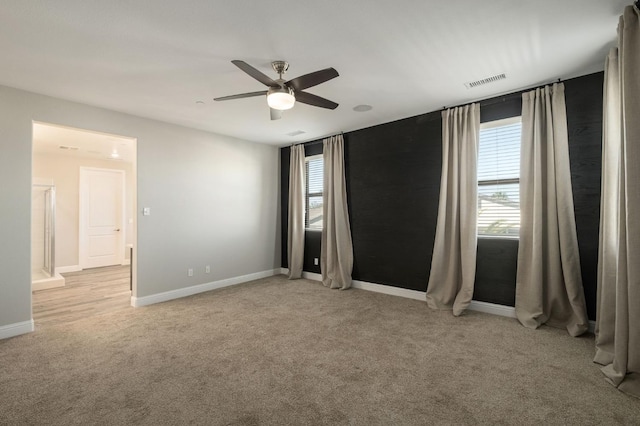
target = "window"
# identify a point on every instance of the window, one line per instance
(499, 178)
(313, 176)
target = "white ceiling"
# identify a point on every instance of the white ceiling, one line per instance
(157, 58)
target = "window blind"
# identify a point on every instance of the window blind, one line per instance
(499, 178)
(314, 176)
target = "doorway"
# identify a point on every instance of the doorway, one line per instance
(94, 176)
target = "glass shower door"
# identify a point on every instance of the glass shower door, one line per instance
(50, 230)
(43, 230)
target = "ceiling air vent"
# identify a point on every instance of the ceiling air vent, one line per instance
(72, 148)
(484, 81)
(296, 133)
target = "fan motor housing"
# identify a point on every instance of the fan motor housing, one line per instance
(280, 67)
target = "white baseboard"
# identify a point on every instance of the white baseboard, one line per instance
(126, 262)
(311, 276)
(71, 268)
(307, 275)
(475, 305)
(16, 329)
(200, 288)
(492, 308)
(390, 290)
(489, 308)
(507, 311)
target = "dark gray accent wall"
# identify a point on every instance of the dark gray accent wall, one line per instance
(584, 120)
(394, 184)
(393, 181)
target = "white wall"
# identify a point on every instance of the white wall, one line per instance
(213, 199)
(64, 172)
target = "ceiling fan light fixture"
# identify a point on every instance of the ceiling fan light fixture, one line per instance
(281, 98)
(281, 94)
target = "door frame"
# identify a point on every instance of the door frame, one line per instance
(82, 237)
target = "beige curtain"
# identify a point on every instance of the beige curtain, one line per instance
(548, 281)
(618, 313)
(453, 265)
(336, 253)
(296, 212)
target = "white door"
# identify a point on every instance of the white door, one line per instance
(101, 217)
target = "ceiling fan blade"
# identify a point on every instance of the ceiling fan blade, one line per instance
(267, 81)
(276, 114)
(312, 79)
(309, 99)
(240, 96)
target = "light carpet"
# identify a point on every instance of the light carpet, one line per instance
(278, 352)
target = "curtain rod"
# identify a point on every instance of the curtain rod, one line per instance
(317, 141)
(486, 102)
(507, 96)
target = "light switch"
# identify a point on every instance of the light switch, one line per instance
(146, 211)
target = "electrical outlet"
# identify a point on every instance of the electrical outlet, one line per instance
(190, 272)
(207, 269)
(315, 261)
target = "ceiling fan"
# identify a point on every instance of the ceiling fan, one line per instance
(282, 94)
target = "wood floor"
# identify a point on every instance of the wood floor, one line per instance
(86, 293)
